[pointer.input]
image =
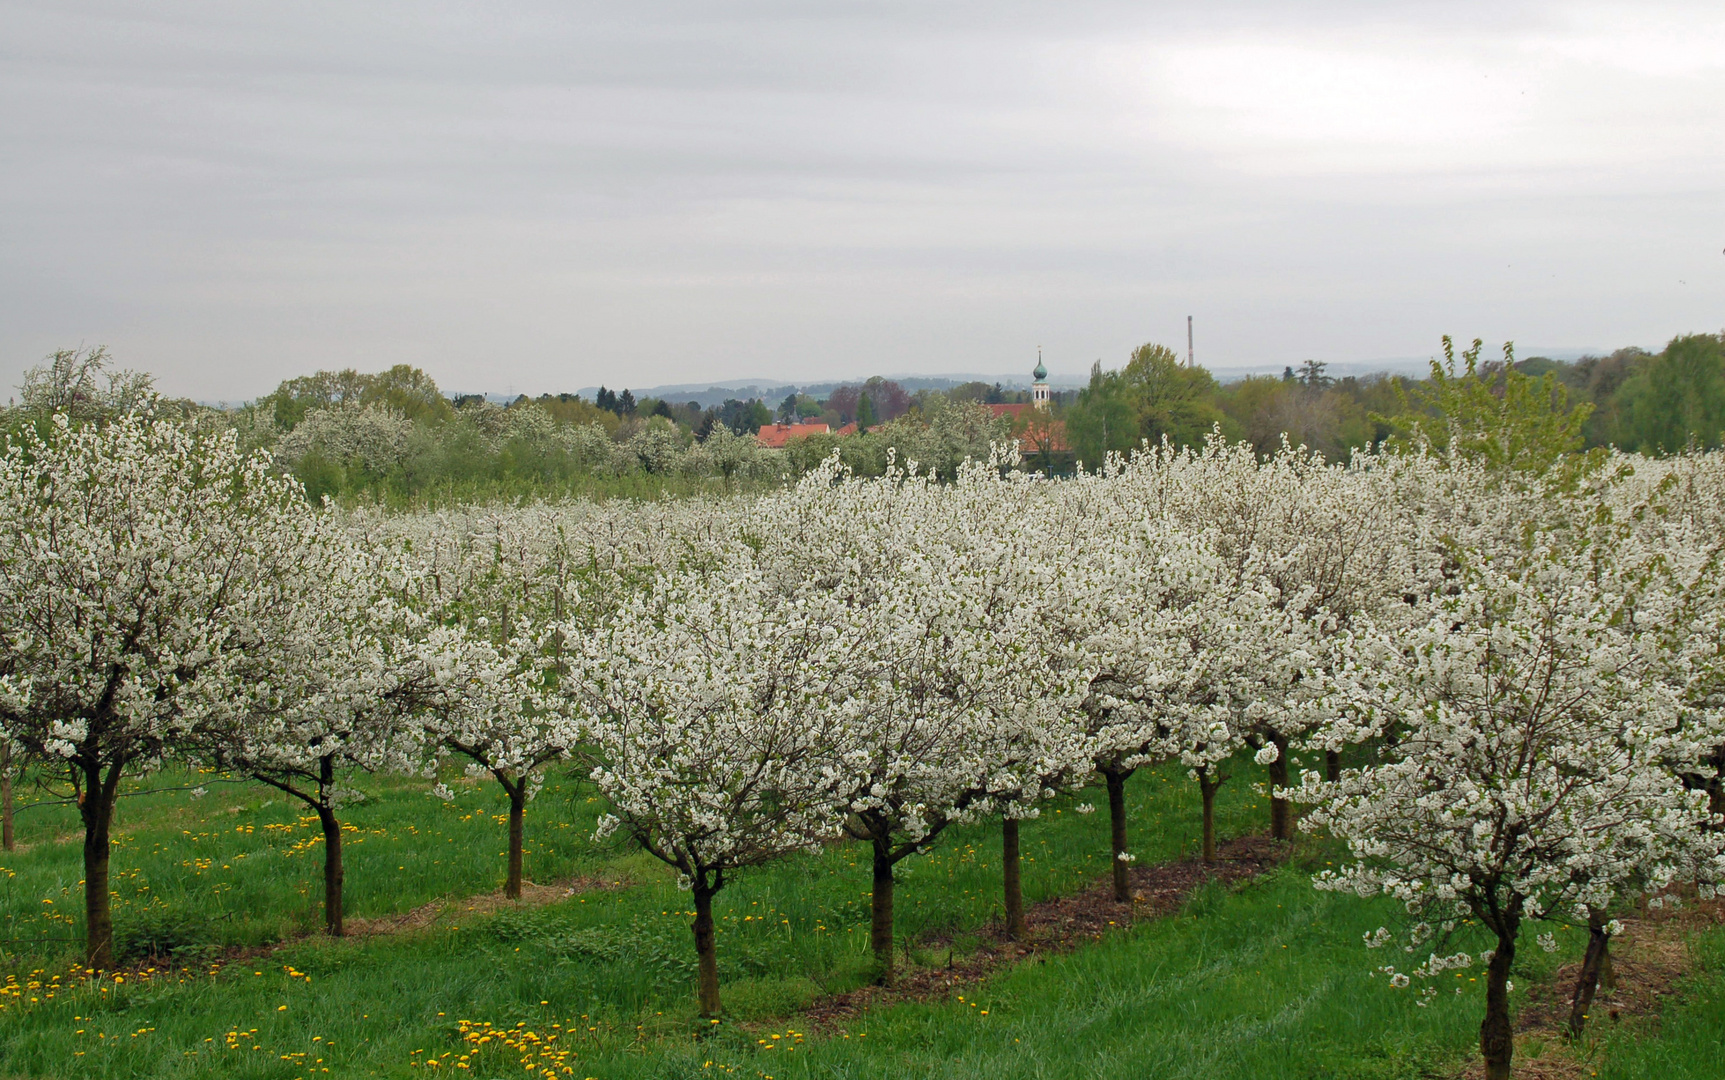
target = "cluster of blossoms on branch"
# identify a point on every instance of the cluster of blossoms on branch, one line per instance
(1521, 672)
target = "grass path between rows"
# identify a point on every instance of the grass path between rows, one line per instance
(1263, 978)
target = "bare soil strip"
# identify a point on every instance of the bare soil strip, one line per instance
(1056, 926)
(430, 913)
(422, 917)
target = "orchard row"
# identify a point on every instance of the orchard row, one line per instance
(1527, 666)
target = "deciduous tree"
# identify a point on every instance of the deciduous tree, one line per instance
(707, 732)
(1530, 776)
(150, 579)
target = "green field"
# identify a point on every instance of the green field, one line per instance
(1265, 980)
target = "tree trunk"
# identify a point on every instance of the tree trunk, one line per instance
(1281, 811)
(517, 816)
(1117, 824)
(6, 838)
(1013, 884)
(1207, 789)
(332, 872)
(1592, 962)
(880, 928)
(1496, 1037)
(96, 807)
(1332, 766)
(706, 950)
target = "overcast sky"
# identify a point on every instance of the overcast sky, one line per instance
(538, 197)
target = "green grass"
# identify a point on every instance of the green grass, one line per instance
(1266, 980)
(1689, 1041)
(243, 865)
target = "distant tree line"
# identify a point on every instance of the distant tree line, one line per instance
(395, 436)
(1634, 399)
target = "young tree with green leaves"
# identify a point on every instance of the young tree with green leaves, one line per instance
(1493, 412)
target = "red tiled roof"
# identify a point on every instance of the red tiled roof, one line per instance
(1034, 428)
(848, 429)
(776, 435)
(1033, 435)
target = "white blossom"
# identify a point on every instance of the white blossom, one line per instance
(152, 583)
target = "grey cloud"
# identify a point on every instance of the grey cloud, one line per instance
(548, 196)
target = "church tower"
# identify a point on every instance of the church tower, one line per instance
(1039, 388)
